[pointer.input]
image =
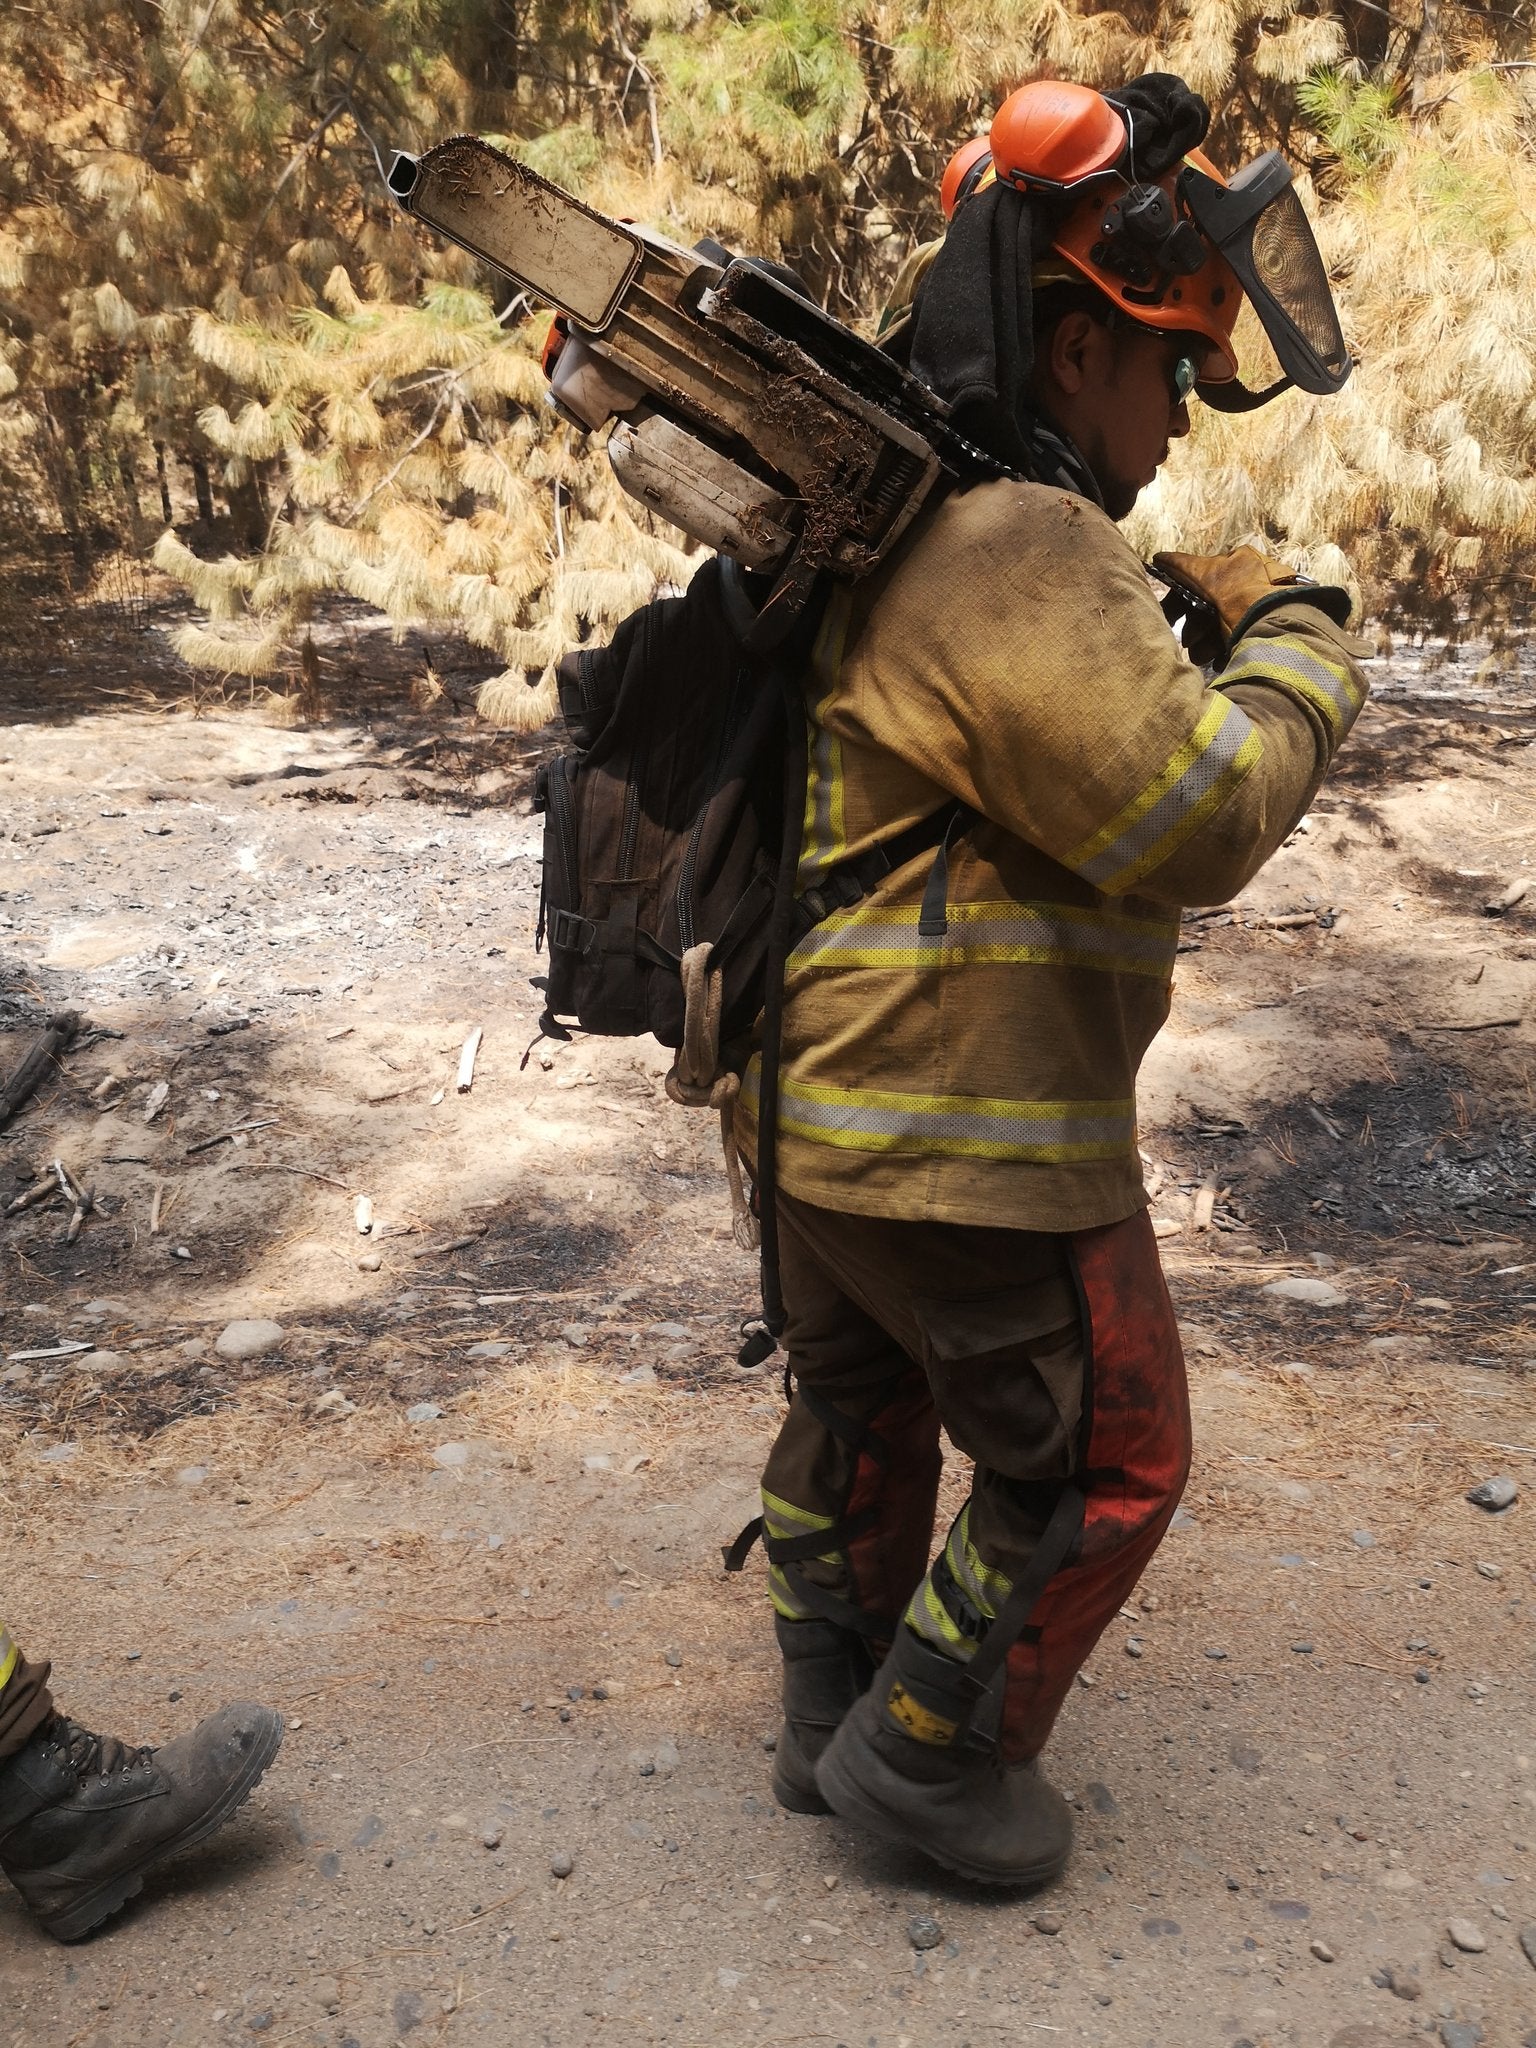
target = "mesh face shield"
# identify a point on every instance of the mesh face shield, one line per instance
(1258, 224)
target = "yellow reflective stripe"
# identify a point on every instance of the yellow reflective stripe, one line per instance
(1005, 933)
(784, 1601)
(953, 1126)
(1326, 684)
(791, 1519)
(987, 1587)
(927, 1614)
(825, 842)
(784, 1518)
(1223, 748)
(10, 1657)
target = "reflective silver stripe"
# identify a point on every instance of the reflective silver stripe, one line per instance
(869, 1120)
(1045, 934)
(783, 1518)
(928, 1617)
(963, 1126)
(824, 842)
(1286, 661)
(1215, 759)
(823, 849)
(1022, 1129)
(975, 1578)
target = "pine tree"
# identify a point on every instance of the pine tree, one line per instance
(208, 304)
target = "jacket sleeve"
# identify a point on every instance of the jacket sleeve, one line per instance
(1021, 660)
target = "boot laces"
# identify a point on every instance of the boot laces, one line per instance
(87, 1753)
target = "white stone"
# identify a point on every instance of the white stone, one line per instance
(1304, 1288)
(1467, 1935)
(249, 1337)
(451, 1455)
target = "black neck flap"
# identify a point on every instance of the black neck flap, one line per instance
(973, 338)
(972, 343)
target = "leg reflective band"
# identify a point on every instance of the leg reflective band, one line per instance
(10, 1657)
(961, 1596)
(852, 1498)
(1135, 1465)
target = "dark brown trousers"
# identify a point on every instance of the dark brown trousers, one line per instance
(25, 1702)
(1051, 1361)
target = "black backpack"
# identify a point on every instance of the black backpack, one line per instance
(672, 835)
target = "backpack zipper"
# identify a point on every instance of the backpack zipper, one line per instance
(629, 823)
(685, 925)
(560, 811)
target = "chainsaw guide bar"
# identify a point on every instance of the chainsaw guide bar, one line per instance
(746, 415)
(499, 210)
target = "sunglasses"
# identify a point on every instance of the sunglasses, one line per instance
(1185, 372)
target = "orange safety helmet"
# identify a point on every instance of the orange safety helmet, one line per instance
(1134, 240)
(967, 170)
(1055, 134)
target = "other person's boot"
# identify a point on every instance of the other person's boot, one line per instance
(912, 1764)
(83, 1817)
(825, 1670)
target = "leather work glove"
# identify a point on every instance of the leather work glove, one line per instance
(1219, 597)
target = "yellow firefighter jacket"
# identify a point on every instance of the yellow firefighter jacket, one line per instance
(1014, 656)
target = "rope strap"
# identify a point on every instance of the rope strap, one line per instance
(695, 1079)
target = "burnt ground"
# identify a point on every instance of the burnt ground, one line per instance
(1347, 1088)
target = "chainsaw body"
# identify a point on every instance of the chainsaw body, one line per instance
(741, 412)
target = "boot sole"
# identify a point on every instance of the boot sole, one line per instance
(797, 1798)
(849, 1801)
(794, 1777)
(108, 1898)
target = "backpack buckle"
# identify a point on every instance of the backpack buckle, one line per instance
(571, 933)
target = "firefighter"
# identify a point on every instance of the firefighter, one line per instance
(964, 1240)
(84, 1818)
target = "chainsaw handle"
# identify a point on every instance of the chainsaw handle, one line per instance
(1204, 636)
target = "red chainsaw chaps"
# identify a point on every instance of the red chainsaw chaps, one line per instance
(1138, 1455)
(890, 1557)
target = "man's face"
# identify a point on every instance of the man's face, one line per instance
(1116, 393)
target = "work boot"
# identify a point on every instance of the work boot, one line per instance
(84, 1817)
(912, 1763)
(825, 1670)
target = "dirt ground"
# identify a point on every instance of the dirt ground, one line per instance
(500, 1631)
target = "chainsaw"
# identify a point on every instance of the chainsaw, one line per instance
(741, 412)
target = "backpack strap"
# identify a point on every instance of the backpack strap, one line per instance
(841, 887)
(933, 918)
(786, 665)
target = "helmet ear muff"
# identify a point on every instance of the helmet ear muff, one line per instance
(1052, 135)
(1143, 240)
